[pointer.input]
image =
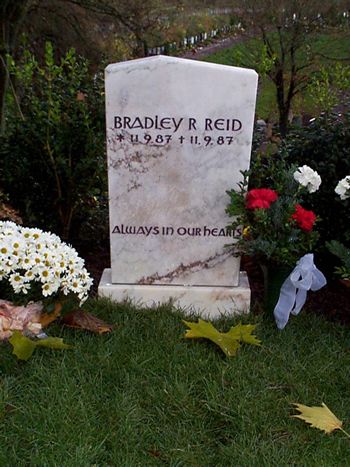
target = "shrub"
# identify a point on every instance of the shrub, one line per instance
(325, 146)
(52, 157)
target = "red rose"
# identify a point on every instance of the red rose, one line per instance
(305, 219)
(260, 198)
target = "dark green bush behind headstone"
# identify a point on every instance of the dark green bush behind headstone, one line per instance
(325, 146)
(52, 157)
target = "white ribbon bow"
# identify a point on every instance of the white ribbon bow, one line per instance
(305, 276)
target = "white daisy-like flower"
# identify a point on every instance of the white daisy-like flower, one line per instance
(3, 274)
(45, 274)
(50, 288)
(36, 233)
(60, 264)
(18, 282)
(29, 275)
(30, 255)
(308, 178)
(6, 266)
(27, 262)
(9, 228)
(17, 243)
(37, 259)
(5, 248)
(343, 188)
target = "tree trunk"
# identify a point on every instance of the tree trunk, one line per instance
(12, 14)
(283, 120)
(3, 87)
(282, 103)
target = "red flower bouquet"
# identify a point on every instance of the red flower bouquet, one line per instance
(304, 219)
(260, 198)
(270, 223)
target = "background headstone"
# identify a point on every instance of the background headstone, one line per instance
(178, 134)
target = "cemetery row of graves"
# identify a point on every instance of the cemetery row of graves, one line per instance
(190, 168)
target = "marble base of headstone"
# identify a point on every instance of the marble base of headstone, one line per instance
(210, 302)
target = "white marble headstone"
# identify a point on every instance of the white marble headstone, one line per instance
(178, 134)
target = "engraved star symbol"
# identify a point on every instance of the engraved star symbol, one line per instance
(120, 137)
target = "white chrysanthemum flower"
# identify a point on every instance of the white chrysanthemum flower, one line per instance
(30, 275)
(50, 288)
(76, 286)
(8, 228)
(37, 259)
(5, 248)
(27, 262)
(45, 274)
(6, 266)
(308, 178)
(60, 265)
(19, 283)
(46, 289)
(24, 287)
(36, 233)
(3, 274)
(18, 243)
(31, 255)
(26, 233)
(343, 188)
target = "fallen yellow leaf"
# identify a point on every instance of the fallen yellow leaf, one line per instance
(243, 332)
(229, 342)
(23, 347)
(319, 417)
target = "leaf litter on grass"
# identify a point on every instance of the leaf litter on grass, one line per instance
(229, 342)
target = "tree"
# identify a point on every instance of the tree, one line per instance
(12, 15)
(285, 28)
(142, 19)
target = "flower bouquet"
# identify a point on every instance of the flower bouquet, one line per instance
(37, 272)
(271, 224)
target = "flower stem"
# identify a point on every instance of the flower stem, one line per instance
(345, 432)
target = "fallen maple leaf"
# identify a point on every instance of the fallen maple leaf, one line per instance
(83, 320)
(319, 417)
(243, 332)
(229, 342)
(23, 347)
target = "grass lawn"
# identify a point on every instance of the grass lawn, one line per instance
(323, 46)
(144, 396)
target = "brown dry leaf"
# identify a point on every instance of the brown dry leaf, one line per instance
(7, 212)
(83, 320)
(48, 318)
(319, 417)
(80, 96)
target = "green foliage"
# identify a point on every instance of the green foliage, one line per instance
(252, 54)
(269, 234)
(52, 157)
(325, 146)
(326, 88)
(343, 253)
